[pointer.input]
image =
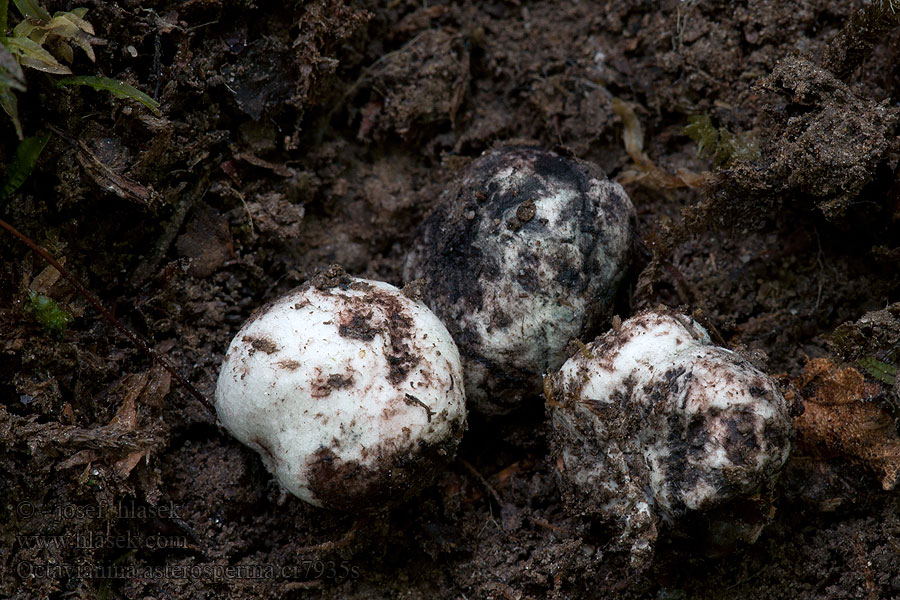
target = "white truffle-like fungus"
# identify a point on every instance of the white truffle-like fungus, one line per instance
(350, 391)
(521, 256)
(652, 424)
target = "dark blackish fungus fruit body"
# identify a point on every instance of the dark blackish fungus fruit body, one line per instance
(524, 254)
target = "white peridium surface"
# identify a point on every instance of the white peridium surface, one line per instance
(292, 385)
(700, 417)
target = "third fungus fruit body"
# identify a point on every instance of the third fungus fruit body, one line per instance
(652, 424)
(522, 255)
(351, 392)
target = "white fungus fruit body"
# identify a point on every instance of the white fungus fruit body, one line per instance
(524, 254)
(653, 422)
(351, 392)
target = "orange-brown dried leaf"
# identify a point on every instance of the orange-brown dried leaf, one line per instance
(841, 419)
(159, 383)
(126, 417)
(507, 473)
(644, 169)
(126, 465)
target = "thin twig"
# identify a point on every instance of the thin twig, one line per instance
(493, 493)
(95, 302)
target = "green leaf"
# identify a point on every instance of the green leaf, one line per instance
(24, 30)
(11, 107)
(11, 75)
(23, 164)
(882, 371)
(31, 54)
(32, 10)
(75, 17)
(119, 89)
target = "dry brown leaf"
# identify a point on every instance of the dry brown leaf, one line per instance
(67, 416)
(148, 387)
(841, 419)
(158, 386)
(46, 278)
(278, 169)
(110, 180)
(82, 457)
(126, 465)
(644, 170)
(126, 416)
(504, 475)
(85, 475)
(633, 135)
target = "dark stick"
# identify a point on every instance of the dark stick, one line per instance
(135, 339)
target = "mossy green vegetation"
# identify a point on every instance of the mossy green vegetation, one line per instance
(39, 41)
(882, 371)
(720, 144)
(48, 313)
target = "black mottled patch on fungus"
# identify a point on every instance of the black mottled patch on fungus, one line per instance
(449, 235)
(740, 443)
(760, 390)
(601, 446)
(686, 443)
(777, 434)
(500, 319)
(528, 280)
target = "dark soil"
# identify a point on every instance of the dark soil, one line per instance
(323, 132)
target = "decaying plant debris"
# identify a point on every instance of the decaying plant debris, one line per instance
(299, 135)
